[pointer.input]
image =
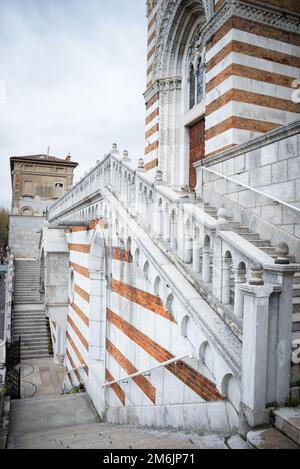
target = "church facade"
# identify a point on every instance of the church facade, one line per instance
(176, 294)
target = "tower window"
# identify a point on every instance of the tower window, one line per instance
(200, 82)
(59, 185)
(192, 87)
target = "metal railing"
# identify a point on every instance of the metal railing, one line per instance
(257, 191)
(80, 367)
(147, 371)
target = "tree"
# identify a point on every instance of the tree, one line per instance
(4, 222)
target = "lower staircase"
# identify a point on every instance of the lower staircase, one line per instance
(71, 422)
(29, 319)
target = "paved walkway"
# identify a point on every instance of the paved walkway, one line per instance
(41, 377)
(71, 422)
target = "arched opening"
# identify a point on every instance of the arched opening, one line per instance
(157, 287)
(207, 358)
(128, 248)
(184, 325)
(170, 304)
(137, 257)
(230, 389)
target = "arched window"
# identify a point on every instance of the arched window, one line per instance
(192, 87)
(200, 81)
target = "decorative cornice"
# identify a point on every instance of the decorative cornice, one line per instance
(164, 84)
(249, 11)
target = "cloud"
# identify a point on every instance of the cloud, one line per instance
(72, 74)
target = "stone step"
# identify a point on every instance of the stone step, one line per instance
(34, 340)
(269, 250)
(31, 337)
(251, 236)
(296, 290)
(260, 243)
(29, 356)
(25, 314)
(287, 420)
(296, 305)
(34, 353)
(27, 297)
(270, 438)
(241, 230)
(20, 331)
(26, 302)
(29, 322)
(34, 349)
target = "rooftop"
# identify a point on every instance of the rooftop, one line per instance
(46, 158)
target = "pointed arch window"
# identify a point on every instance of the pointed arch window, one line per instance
(200, 81)
(192, 87)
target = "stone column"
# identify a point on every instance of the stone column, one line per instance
(226, 271)
(173, 234)
(60, 347)
(159, 221)
(167, 228)
(196, 256)
(255, 348)
(188, 248)
(240, 279)
(206, 264)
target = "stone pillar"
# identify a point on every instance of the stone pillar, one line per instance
(60, 347)
(196, 256)
(206, 263)
(188, 248)
(226, 271)
(173, 234)
(240, 279)
(145, 209)
(167, 228)
(255, 348)
(160, 221)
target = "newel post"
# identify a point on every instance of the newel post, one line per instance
(255, 347)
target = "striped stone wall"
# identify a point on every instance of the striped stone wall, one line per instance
(141, 332)
(251, 66)
(250, 69)
(152, 105)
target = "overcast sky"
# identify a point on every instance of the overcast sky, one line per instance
(72, 74)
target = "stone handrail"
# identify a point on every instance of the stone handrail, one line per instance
(174, 218)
